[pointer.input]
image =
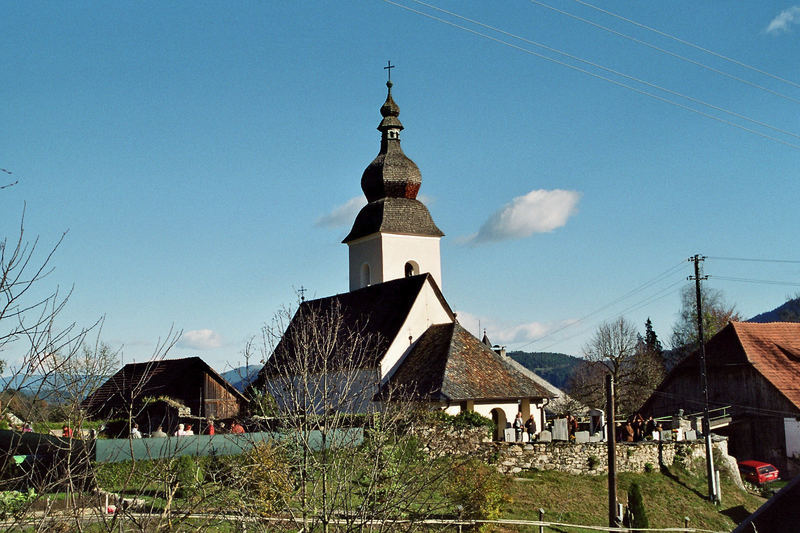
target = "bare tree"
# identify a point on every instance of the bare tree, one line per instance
(616, 349)
(355, 464)
(717, 313)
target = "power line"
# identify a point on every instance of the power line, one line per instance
(625, 296)
(594, 75)
(687, 43)
(665, 51)
(610, 70)
(792, 261)
(762, 281)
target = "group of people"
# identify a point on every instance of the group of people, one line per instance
(527, 426)
(637, 429)
(187, 430)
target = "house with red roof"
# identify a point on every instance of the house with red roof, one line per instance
(755, 369)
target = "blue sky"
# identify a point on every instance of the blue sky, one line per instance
(205, 157)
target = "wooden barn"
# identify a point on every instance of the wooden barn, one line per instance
(755, 369)
(193, 388)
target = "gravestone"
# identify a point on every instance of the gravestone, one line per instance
(560, 431)
(510, 435)
(597, 437)
(545, 436)
(691, 435)
(666, 434)
(597, 421)
(581, 437)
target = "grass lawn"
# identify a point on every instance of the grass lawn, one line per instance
(668, 498)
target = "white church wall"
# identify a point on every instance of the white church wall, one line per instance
(400, 249)
(367, 251)
(426, 311)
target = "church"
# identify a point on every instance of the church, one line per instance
(416, 350)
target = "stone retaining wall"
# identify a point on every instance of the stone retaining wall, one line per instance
(592, 458)
(586, 458)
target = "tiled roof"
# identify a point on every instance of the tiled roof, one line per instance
(771, 348)
(449, 363)
(378, 312)
(393, 215)
(153, 378)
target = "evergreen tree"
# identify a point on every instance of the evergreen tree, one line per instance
(651, 339)
(636, 508)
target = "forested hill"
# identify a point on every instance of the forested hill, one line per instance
(554, 367)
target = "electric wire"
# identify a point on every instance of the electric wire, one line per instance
(792, 261)
(761, 281)
(665, 51)
(594, 75)
(668, 272)
(690, 44)
(612, 71)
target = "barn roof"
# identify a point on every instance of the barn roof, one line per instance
(151, 378)
(449, 363)
(376, 313)
(771, 348)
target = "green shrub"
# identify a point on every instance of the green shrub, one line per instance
(636, 507)
(188, 475)
(478, 489)
(593, 462)
(649, 468)
(471, 419)
(12, 502)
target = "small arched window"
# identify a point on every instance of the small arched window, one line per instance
(411, 269)
(365, 275)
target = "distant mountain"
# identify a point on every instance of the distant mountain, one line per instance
(556, 368)
(241, 377)
(788, 312)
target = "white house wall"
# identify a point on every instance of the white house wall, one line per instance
(426, 311)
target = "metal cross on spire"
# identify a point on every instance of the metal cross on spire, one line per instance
(388, 68)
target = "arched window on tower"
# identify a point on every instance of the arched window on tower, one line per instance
(412, 269)
(365, 275)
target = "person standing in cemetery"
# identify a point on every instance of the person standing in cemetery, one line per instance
(180, 432)
(158, 433)
(237, 428)
(572, 424)
(66, 432)
(627, 432)
(530, 427)
(519, 424)
(189, 430)
(135, 433)
(210, 428)
(649, 427)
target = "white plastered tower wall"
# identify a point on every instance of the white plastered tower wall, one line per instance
(426, 312)
(383, 257)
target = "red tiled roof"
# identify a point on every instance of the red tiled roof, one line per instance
(773, 348)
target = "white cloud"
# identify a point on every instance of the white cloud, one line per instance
(342, 215)
(500, 333)
(782, 23)
(200, 339)
(539, 211)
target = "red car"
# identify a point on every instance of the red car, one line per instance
(758, 472)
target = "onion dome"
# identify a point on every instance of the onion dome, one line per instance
(391, 183)
(391, 173)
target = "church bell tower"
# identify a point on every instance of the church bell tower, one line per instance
(394, 235)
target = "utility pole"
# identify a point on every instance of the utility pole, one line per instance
(611, 440)
(712, 485)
